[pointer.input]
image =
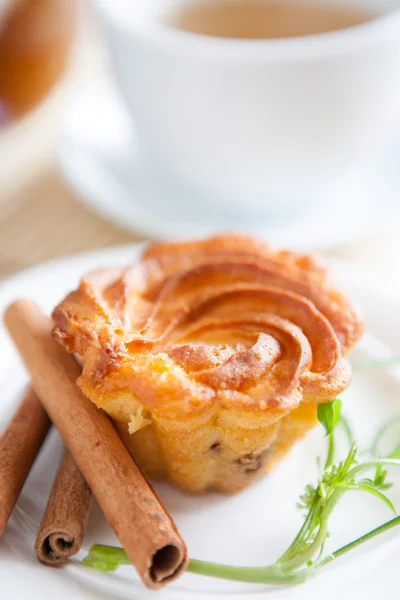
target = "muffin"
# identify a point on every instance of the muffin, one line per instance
(210, 356)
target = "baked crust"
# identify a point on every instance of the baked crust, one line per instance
(211, 355)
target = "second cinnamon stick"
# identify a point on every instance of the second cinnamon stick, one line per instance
(138, 517)
(63, 525)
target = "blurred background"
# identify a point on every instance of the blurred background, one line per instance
(48, 49)
(51, 50)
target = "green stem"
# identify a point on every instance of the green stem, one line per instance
(274, 574)
(347, 429)
(381, 433)
(361, 540)
(109, 558)
(307, 555)
(331, 451)
(372, 464)
(293, 548)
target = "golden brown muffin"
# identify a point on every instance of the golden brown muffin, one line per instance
(210, 356)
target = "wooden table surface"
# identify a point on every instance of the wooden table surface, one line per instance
(41, 219)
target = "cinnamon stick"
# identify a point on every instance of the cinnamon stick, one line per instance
(138, 517)
(64, 521)
(19, 446)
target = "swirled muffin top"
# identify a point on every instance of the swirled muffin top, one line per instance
(227, 322)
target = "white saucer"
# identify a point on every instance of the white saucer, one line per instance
(215, 527)
(101, 159)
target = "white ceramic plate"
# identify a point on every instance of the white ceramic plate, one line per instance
(250, 528)
(101, 158)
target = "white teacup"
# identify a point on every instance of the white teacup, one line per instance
(264, 124)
